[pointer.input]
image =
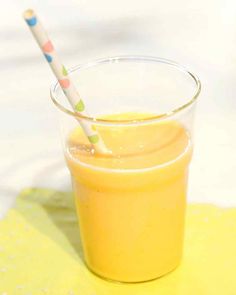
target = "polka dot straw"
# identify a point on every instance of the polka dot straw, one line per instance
(63, 78)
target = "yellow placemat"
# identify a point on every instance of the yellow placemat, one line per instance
(40, 252)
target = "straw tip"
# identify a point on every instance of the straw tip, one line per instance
(28, 14)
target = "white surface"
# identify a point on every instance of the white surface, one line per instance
(200, 34)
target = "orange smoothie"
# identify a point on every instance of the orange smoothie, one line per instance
(131, 204)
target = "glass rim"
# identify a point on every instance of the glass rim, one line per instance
(129, 58)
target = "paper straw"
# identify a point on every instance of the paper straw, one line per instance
(63, 78)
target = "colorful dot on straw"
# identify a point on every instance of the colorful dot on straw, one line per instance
(48, 47)
(31, 21)
(93, 138)
(65, 83)
(48, 57)
(64, 71)
(79, 107)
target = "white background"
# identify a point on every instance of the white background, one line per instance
(199, 34)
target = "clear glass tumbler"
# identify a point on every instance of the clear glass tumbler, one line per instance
(131, 204)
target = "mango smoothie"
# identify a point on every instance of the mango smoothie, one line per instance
(131, 203)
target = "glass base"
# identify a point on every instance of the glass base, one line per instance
(132, 282)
